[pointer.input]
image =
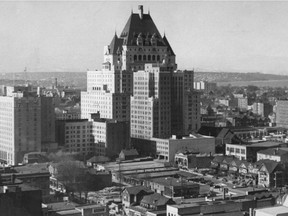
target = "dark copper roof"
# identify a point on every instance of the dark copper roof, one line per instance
(116, 45)
(145, 26)
(169, 47)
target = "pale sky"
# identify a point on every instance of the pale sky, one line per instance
(64, 36)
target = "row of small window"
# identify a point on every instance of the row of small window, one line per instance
(78, 132)
(77, 127)
(236, 150)
(146, 58)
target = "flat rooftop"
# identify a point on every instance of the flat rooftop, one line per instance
(170, 181)
(265, 144)
(273, 211)
(32, 168)
(61, 206)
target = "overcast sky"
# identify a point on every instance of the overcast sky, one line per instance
(208, 36)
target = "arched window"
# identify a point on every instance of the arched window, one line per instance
(158, 57)
(135, 57)
(149, 57)
(153, 58)
(144, 57)
(140, 57)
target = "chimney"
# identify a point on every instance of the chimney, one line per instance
(140, 8)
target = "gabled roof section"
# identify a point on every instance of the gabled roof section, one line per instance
(269, 164)
(218, 159)
(223, 133)
(209, 131)
(155, 199)
(135, 25)
(116, 45)
(130, 152)
(137, 189)
(168, 45)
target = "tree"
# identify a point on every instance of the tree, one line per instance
(70, 173)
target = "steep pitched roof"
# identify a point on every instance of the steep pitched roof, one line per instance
(218, 159)
(228, 160)
(209, 131)
(137, 189)
(135, 25)
(155, 199)
(168, 45)
(116, 45)
(223, 133)
(130, 152)
(269, 164)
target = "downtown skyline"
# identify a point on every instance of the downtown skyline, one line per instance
(207, 36)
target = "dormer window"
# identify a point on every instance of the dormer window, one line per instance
(153, 40)
(139, 40)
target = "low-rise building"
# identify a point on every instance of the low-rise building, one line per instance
(91, 175)
(128, 154)
(156, 201)
(20, 200)
(133, 195)
(104, 137)
(196, 143)
(249, 151)
(74, 209)
(270, 174)
(276, 154)
(172, 187)
(223, 208)
(189, 160)
(33, 175)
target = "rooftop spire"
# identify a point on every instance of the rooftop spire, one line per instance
(140, 7)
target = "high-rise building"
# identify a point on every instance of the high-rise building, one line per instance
(109, 90)
(151, 103)
(27, 123)
(20, 127)
(185, 113)
(47, 123)
(139, 83)
(282, 113)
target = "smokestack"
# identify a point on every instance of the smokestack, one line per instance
(56, 83)
(140, 8)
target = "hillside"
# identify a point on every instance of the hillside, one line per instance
(78, 79)
(232, 77)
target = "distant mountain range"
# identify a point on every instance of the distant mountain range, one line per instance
(78, 79)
